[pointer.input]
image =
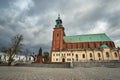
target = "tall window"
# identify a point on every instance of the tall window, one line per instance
(56, 59)
(83, 55)
(93, 45)
(90, 54)
(76, 57)
(76, 45)
(80, 45)
(99, 55)
(86, 45)
(57, 34)
(115, 54)
(107, 54)
(70, 46)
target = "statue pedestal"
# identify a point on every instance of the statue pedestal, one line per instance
(39, 59)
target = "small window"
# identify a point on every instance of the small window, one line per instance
(83, 55)
(107, 54)
(57, 54)
(68, 59)
(90, 54)
(99, 55)
(57, 35)
(72, 59)
(76, 55)
(53, 54)
(115, 54)
(56, 59)
(68, 54)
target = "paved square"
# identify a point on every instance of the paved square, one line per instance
(37, 73)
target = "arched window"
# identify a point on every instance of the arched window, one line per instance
(90, 54)
(99, 55)
(115, 54)
(83, 55)
(107, 54)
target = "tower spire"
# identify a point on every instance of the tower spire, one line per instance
(58, 22)
(58, 16)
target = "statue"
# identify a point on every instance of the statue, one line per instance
(40, 52)
(39, 56)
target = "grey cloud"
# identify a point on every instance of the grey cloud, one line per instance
(36, 23)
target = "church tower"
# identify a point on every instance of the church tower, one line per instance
(58, 34)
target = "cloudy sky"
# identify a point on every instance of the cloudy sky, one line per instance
(35, 20)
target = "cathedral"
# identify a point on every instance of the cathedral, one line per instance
(86, 47)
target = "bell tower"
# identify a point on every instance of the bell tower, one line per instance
(58, 34)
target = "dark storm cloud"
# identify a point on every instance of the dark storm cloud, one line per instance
(4, 3)
(35, 19)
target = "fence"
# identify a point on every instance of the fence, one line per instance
(48, 65)
(97, 64)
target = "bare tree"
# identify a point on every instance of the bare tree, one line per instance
(34, 56)
(14, 49)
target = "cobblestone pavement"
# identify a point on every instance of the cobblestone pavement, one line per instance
(36, 73)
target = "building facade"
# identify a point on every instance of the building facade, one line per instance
(17, 58)
(78, 48)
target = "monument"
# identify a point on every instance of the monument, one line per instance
(39, 56)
